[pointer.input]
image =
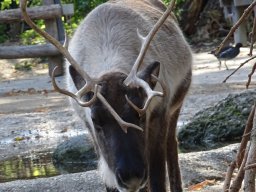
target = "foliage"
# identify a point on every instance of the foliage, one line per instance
(82, 7)
(30, 37)
(3, 36)
(23, 66)
(178, 8)
(5, 4)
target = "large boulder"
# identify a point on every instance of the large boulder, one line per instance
(218, 125)
(75, 153)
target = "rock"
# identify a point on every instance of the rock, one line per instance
(218, 125)
(88, 181)
(195, 167)
(200, 166)
(75, 153)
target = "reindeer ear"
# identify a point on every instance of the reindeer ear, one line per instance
(77, 78)
(146, 74)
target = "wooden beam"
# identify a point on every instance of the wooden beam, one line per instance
(28, 51)
(40, 12)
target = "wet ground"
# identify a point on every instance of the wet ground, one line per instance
(34, 119)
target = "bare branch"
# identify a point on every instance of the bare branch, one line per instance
(250, 76)
(252, 36)
(246, 137)
(241, 65)
(237, 183)
(249, 177)
(251, 166)
(228, 177)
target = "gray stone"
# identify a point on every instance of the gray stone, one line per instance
(219, 125)
(75, 153)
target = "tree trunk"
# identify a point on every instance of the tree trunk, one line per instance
(190, 12)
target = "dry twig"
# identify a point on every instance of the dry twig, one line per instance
(246, 137)
(241, 65)
(228, 177)
(237, 183)
(249, 176)
(240, 159)
(251, 166)
(252, 36)
(250, 75)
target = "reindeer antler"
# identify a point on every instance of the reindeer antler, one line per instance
(90, 83)
(133, 80)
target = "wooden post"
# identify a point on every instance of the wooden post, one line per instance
(52, 29)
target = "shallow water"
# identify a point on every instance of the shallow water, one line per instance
(36, 165)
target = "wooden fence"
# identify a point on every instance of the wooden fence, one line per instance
(51, 12)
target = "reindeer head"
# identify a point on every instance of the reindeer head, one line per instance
(122, 154)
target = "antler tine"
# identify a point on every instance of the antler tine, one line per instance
(150, 95)
(132, 77)
(78, 95)
(90, 83)
(124, 125)
(23, 6)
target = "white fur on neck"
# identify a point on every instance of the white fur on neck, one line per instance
(106, 173)
(108, 176)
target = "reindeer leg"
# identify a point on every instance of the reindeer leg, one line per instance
(172, 155)
(172, 145)
(157, 157)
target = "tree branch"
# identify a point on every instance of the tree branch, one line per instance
(241, 65)
(228, 177)
(237, 183)
(252, 36)
(246, 137)
(250, 76)
(249, 176)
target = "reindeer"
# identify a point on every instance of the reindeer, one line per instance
(129, 90)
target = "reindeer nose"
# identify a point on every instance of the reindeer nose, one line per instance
(131, 179)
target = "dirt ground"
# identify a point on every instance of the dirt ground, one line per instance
(34, 117)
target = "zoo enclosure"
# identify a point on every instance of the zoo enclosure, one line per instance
(51, 12)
